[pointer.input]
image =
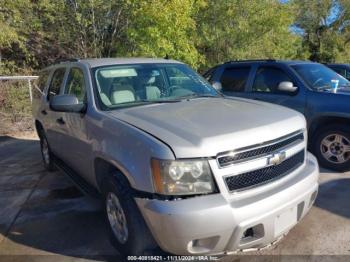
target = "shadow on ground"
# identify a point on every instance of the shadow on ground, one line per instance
(43, 213)
(334, 196)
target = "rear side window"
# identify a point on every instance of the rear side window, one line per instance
(268, 78)
(234, 79)
(56, 82)
(42, 80)
(75, 84)
(40, 84)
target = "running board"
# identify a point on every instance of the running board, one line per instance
(83, 186)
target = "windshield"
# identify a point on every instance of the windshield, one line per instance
(318, 76)
(138, 84)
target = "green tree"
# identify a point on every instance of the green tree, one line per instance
(246, 29)
(80, 28)
(12, 38)
(324, 27)
(163, 28)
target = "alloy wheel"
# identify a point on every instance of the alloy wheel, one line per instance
(335, 148)
(117, 218)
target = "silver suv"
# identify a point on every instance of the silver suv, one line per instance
(179, 166)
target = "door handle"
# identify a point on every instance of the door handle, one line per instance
(44, 112)
(60, 121)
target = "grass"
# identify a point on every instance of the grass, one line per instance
(15, 108)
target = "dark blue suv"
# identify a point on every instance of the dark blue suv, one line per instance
(313, 89)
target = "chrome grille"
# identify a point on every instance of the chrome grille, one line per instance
(264, 175)
(227, 159)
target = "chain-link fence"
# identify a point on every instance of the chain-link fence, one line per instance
(15, 104)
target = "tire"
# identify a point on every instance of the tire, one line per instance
(138, 239)
(46, 152)
(331, 145)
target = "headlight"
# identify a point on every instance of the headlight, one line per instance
(183, 177)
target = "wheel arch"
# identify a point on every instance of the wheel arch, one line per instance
(38, 126)
(323, 121)
(103, 168)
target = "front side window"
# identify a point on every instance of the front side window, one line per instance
(234, 79)
(209, 74)
(268, 79)
(131, 85)
(75, 84)
(56, 82)
(320, 77)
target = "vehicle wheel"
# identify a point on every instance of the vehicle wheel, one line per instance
(46, 152)
(128, 231)
(331, 146)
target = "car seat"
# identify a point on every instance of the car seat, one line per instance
(121, 91)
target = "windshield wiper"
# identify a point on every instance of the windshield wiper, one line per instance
(191, 96)
(143, 102)
(346, 85)
(325, 87)
(160, 101)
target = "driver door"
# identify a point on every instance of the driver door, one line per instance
(75, 144)
(265, 88)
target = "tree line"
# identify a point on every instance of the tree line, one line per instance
(202, 33)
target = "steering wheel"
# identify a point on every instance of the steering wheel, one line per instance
(317, 81)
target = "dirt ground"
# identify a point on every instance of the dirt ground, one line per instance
(43, 217)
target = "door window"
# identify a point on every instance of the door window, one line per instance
(40, 84)
(209, 74)
(234, 79)
(75, 84)
(268, 78)
(56, 82)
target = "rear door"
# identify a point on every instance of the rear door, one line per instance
(51, 119)
(235, 80)
(265, 88)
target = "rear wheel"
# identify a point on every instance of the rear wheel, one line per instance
(129, 233)
(46, 152)
(332, 147)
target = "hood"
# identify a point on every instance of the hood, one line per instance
(204, 127)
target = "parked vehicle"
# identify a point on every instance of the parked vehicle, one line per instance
(310, 88)
(341, 69)
(179, 166)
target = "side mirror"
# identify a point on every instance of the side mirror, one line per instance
(217, 85)
(287, 86)
(66, 103)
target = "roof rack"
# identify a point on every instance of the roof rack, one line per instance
(251, 60)
(63, 60)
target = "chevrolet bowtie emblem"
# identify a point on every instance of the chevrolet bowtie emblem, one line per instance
(276, 158)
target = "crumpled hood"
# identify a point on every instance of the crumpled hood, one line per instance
(204, 127)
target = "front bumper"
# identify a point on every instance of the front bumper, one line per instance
(225, 223)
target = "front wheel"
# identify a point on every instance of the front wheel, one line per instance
(331, 145)
(129, 233)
